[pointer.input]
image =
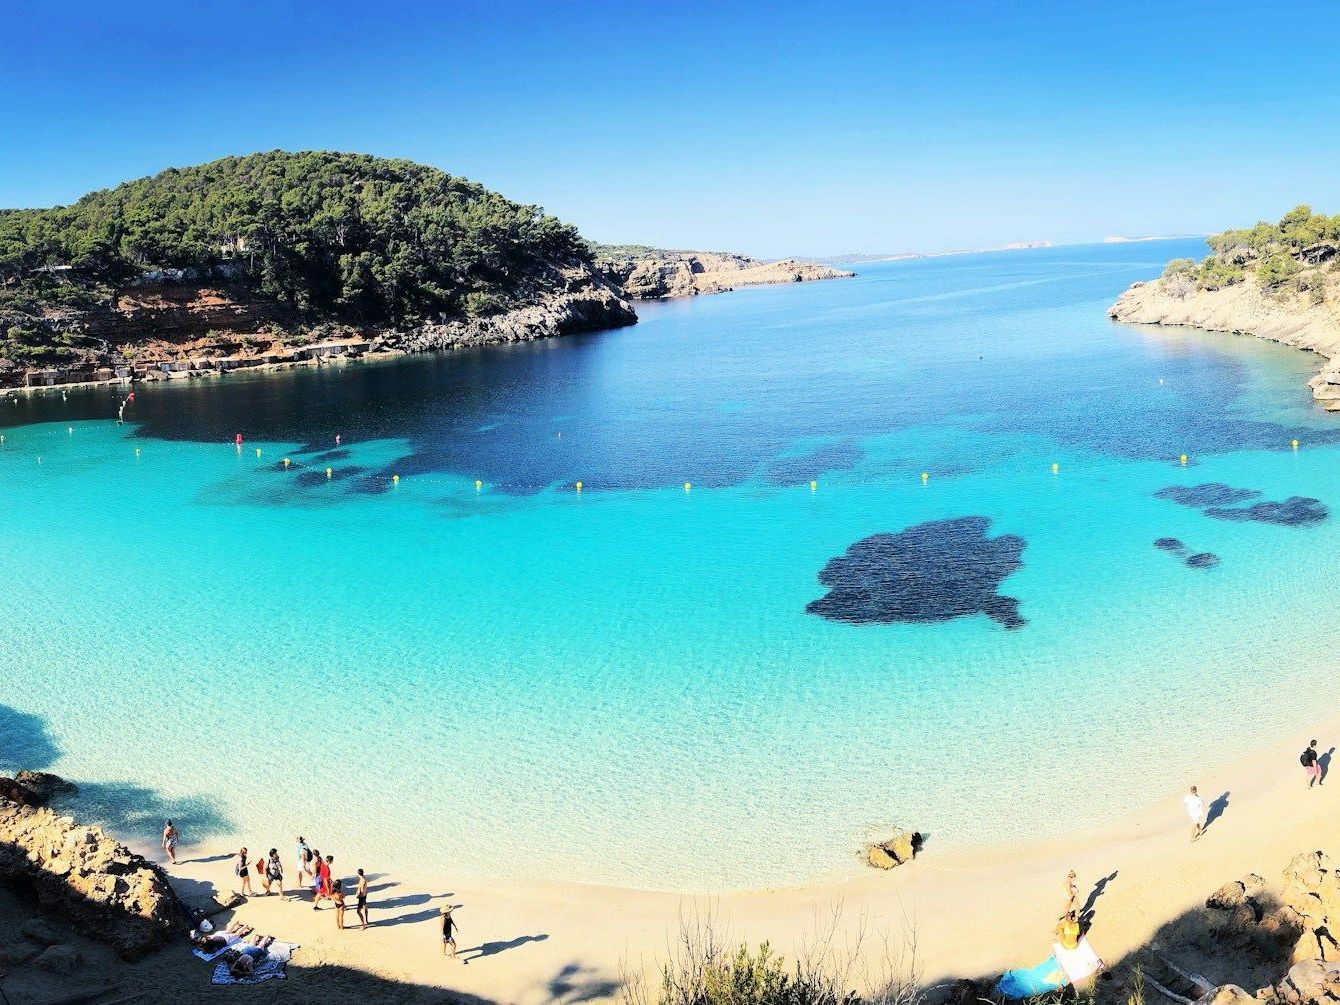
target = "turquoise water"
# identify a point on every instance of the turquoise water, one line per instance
(624, 685)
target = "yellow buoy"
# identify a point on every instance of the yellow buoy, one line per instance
(327, 473)
(1182, 458)
(1294, 444)
(813, 485)
(478, 485)
(579, 486)
(688, 486)
(925, 476)
(1056, 468)
(395, 479)
(287, 462)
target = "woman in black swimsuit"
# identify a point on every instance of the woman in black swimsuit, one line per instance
(449, 927)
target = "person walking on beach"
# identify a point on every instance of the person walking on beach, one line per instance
(322, 890)
(241, 871)
(449, 928)
(1071, 892)
(1195, 809)
(337, 895)
(361, 904)
(1311, 764)
(314, 868)
(274, 873)
(304, 860)
(170, 841)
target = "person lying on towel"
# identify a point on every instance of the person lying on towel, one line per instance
(242, 960)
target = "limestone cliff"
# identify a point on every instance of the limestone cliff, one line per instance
(655, 274)
(170, 326)
(82, 874)
(1245, 308)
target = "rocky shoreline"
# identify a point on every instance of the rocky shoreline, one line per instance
(1244, 308)
(665, 275)
(573, 300)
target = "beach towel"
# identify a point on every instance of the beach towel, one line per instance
(210, 957)
(1080, 963)
(274, 965)
(1045, 977)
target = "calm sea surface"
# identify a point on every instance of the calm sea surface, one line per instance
(644, 685)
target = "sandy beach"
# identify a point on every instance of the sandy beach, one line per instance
(974, 912)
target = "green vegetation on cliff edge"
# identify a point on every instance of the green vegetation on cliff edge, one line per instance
(1294, 255)
(327, 235)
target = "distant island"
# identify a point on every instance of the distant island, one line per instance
(856, 259)
(1276, 281)
(1152, 237)
(645, 273)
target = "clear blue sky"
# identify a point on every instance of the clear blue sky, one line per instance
(769, 127)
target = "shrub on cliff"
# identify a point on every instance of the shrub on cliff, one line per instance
(1276, 269)
(1216, 273)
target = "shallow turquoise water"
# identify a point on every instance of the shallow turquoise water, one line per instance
(624, 685)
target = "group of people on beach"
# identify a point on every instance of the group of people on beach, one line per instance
(313, 870)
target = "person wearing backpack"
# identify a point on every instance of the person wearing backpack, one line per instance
(304, 860)
(1311, 764)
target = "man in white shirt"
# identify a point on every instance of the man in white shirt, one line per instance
(1195, 809)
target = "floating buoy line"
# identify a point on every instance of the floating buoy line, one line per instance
(1182, 459)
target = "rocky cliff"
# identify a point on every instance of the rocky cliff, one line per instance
(659, 275)
(81, 874)
(1287, 316)
(578, 300)
(182, 326)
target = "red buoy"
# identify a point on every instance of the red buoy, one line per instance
(238, 439)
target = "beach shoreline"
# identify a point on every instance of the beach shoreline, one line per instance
(1007, 895)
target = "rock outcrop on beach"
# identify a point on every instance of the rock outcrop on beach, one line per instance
(81, 874)
(899, 849)
(1273, 281)
(658, 274)
(1251, 922)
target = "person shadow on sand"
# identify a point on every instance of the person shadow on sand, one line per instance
(494, 948)
(1217, 810)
